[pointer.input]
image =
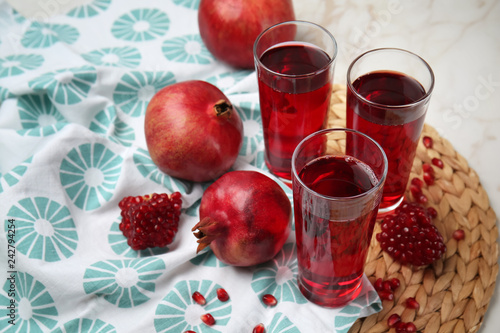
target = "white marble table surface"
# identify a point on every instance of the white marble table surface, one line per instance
(459, 39)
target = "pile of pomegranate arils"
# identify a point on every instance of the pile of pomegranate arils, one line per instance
(410, 238)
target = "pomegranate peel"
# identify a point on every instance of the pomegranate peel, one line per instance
(245, 218)
(192, 131)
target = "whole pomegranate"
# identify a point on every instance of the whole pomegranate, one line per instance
(245, 218)
(229, 27)
(192, 131)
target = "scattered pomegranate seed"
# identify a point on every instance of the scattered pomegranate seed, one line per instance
(432, 212)
(428, 178)
(189, 331)
(437, 162)
(412, 303)
(222, 295)
(198, 298)
(259, 329)
(422, 198)
(393, 320)
(395, 283)
(387, 286)
(427, 140)
(427, 168)
(406, 327)
(378, 284)
(417, 182)
(415, 190)
(458, 234)
(208, 319)
(386, 295)
(269, 300)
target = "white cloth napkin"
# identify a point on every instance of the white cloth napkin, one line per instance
(73, 92)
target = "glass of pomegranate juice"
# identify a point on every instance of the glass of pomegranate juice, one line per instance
(388, 92)
(337, 189)
(294, 62)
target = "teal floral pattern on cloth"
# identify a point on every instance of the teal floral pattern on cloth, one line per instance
(350, 313)
(108, 124)
(95, 7)
(35, 312)
(39, 116)
(125, 283)
(12, 177)
(18, 64)
(43, 35)
(193, 4)
(89, 174)
(149, 170)
(135, 89)
(44, 229)
(253, 135)
(74, 89)
(125, 56)
(187, 49)
(141, 25)
(66, 86)
(282, 324)
(178, 312)
(85, 325)
(207, 258)
(279, 277)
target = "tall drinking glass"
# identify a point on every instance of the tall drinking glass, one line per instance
(388, 92)
(294, 62)
(337, 188)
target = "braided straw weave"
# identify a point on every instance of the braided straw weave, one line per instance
(455, 291)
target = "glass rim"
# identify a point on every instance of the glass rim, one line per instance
(296, 22)
(380, 181)
(422, 99)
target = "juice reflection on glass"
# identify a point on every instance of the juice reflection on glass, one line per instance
(336, 191)
(387, 98)
(294, 63)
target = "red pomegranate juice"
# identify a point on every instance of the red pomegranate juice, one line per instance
(397, 130)
(294, 100)
(331, 253)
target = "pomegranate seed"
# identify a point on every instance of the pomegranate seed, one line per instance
(386, 295)
(222, 295)
(393, 320)
(208, 319)
(198, 298)
(458, 234)
(412, 303)
(189, 331)
(427, 140)
(259, 329)
(437, 162)
(415, 190)
(427, 168)
(269, 300)
(428, 178)
(432, 212)
(378, 284)
(417, 182)
(387, 286)
(410, 328)
(395, 283)
(422, 199)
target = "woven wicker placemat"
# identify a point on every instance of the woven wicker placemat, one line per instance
(455, 291)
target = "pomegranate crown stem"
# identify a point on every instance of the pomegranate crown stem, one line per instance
(223, 108)
(204, 232)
